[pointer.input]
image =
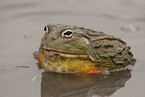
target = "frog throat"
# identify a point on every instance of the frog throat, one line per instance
(66, 63)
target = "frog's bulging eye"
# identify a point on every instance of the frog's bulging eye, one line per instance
(45, 28)
(67, 34)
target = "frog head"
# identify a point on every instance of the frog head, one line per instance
(69, 40)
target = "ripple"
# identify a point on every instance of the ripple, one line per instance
(130, 28)
(42, 13)
(17, 6)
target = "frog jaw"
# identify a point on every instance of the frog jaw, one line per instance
(72, 54)
(54, 61)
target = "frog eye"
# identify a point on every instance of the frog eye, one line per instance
(67, 34)
(45, 28)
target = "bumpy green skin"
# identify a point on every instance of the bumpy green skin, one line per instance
(107, 51)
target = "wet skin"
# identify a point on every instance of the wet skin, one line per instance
(71, 49)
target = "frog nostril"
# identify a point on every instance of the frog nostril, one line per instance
(54, 38)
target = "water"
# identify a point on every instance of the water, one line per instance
(21, 30)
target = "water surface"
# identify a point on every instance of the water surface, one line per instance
(21, 30)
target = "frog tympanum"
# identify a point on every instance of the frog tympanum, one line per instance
(72, 49)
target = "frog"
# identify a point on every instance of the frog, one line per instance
(73, 49)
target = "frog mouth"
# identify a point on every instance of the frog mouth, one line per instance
(64, 53)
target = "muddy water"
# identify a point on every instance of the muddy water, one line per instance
(21, 29)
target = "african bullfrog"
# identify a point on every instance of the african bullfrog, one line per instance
(72, 49)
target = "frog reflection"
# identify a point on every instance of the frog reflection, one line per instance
(72, 85)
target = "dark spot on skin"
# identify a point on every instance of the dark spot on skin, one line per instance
(112, 67)
(128, 47)
(129, 61)
(112, 56)
(125, 59)
(122, 49)
(120, 52)
(113, 60)
(130, 53)
(108, 46)
(132, 59)
(97, 46)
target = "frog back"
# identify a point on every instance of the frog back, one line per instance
(113, 52)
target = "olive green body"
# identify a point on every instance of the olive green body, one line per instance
(107, 52)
